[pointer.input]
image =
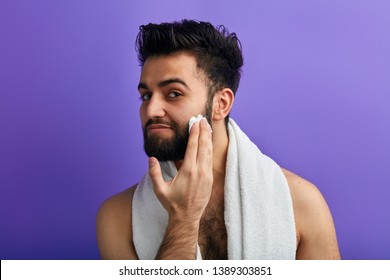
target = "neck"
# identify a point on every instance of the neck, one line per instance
(220, 149)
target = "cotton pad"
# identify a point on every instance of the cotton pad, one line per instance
(194, 120)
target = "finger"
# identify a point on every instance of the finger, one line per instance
(205, 147)
(156, 176)
(192, 145)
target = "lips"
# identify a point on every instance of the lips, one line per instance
(158, 127)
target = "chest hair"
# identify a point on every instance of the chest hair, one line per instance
(212, 234)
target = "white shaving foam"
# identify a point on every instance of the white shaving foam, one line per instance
(194, 120)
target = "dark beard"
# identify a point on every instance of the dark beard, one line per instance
(166, 149)
(170, 149)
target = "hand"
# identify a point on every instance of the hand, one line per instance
(186, 196)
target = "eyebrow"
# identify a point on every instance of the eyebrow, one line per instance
(164, 83)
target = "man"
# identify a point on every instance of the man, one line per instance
(186, 205)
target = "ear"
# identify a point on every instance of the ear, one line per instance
(222, 103)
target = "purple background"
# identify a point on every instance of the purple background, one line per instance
(314, 96)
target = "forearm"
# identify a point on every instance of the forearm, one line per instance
(180, 241)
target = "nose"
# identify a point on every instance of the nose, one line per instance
(155, 107)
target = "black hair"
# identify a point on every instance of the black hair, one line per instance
(218, 52)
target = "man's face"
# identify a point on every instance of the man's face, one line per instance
(172, 90)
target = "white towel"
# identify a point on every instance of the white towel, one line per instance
(258, 215)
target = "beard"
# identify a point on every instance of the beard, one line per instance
(173, 148)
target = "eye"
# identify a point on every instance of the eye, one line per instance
(145, 97)
(173, 94)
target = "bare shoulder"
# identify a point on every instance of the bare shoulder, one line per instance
(113, 226)
(303, 192)
(315, 228)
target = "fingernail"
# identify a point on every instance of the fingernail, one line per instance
(152, 162)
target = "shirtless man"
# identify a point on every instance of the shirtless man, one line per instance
(177, 83)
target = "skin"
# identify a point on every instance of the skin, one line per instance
(172, 88)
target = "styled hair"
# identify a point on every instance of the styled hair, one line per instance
(218, 52)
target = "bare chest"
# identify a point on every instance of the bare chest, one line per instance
(212, 234)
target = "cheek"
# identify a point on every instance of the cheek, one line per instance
(142, 115)
(178, 115)
(182, 118)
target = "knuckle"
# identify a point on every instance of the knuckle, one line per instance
(205, 173)
(189, 170)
